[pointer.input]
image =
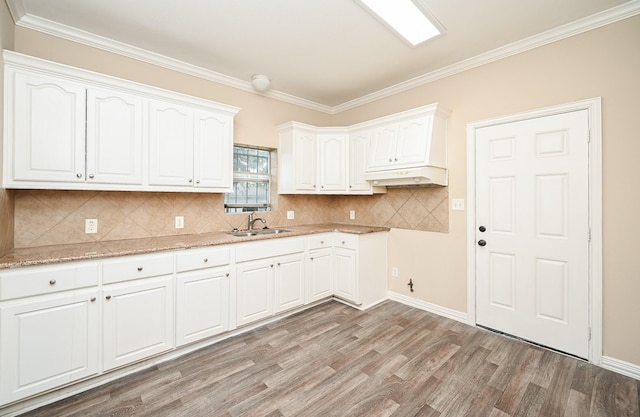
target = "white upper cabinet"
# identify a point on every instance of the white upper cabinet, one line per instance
(358, 152)
(114, 137)
(332, 159)
(383, 146)
(68, 128)
(170, 144)
(45, 137)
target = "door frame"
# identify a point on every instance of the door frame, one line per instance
(594, 108)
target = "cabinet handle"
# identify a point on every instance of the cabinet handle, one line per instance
(206, 260)
(139, 269)
(93, 299)
(90, 175)
(79, 175)
(52, 282)
(108, 297)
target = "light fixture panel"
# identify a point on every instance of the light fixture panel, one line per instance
(404, 17)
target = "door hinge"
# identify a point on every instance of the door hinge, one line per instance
(588, 234)
(588, 334)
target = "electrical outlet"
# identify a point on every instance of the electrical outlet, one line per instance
(179, 222)
(91, 226)
(290, 215)
(395, 272)
(352, 214)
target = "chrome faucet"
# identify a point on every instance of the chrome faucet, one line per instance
(251, 221)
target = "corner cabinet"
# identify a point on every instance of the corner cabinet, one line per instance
(72, 129)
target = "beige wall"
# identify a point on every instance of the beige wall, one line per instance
(604, 62)
(6, 196)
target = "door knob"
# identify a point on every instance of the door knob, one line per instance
(482, 242)
(482, 228)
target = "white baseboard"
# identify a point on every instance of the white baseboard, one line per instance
(431, 308)
(625, 368)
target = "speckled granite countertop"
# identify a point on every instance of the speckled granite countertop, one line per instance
(81, 251)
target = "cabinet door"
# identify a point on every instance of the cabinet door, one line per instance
(46, 129)
(138, 320)
(413, 142)
(202, 304)
(319, 275)
(289, 282)
(47, 341)
(345, 274)
(358, 144)
(114, 137)
(333, 163)
(382, 147)
(255, 290)
(170, 144)
(305, 160)
(213, 151)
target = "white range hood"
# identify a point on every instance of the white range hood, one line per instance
(408, 176)
(409, 148)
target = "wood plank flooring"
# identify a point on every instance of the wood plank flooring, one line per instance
(392, 360)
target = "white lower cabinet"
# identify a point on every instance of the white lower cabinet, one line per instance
(345, 274)
(319, 274)
(138, 320)
(289, 282)
(47, 342)
(49, 328)
(202, 294)
(255, 291)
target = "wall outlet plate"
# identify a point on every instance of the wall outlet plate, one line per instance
(91, 226)
(290, 215)
(179, 222)
(352, 214)
(457, 204)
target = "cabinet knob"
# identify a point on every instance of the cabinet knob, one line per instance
(139, 269)
(93, 299)
(395, 159)
(108, 297)
(390, 160)
(226, 275)
(197, 181)
(190, 180)
(351, 186)
(322, 242)
(311, 259)
(79, 175)
(52, 282)
(322, 186)
(90, 175)
(206, 260)
(278, 263)
(343, 242)
(271, 265)
(314, 186)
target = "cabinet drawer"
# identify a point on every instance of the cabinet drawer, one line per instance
(37, 280)
(135, 267)
(202, 258)
(324, 240)
(345, 241)
(269, 248)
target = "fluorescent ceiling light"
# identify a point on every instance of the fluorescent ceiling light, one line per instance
(405, 18)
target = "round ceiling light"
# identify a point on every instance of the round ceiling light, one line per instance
(261, 82)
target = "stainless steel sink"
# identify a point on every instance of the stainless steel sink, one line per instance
(257, 232)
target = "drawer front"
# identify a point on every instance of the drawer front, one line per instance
(134, 267)
(202, 258)
(38, 280)
(320, 241)
(347, 241)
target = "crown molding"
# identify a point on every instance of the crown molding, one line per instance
(615, 14)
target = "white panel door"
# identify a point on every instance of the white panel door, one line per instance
(532, 219)
(138, 320)
(289, 282)
(202, 304)
(213, 150)
(48, 129)
(254, 291)
(47, 342)
(114, 137)
(170, 144)
(333, 162)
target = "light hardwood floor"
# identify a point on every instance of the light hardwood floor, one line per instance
(392, 360)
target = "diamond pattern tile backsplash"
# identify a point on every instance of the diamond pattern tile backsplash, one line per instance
(45, 217)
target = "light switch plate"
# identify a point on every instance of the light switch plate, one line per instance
(179, 222)
(290, 215)
(457, 204)
(91, 226)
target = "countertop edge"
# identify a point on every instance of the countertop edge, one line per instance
(48, 255)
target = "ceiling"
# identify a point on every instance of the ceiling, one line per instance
(325, 54)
